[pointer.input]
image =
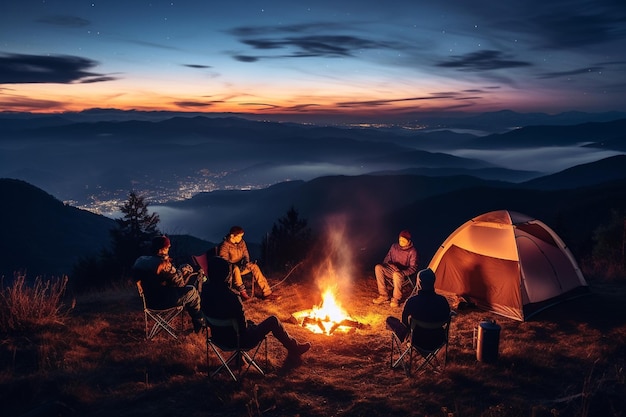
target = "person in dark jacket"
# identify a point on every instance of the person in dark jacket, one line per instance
(425, 306)
(164, 285)
(220, 302)
(235, 251)
(399, 263)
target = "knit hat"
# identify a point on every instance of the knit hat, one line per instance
(160, 242)
(236, 230)
(427, 279)
(405, 234)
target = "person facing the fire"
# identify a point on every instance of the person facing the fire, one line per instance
(425, 306)
(235, 251)
(399, 263)
(220, 302)
(164, 286)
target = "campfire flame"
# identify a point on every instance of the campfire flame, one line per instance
(326, 318)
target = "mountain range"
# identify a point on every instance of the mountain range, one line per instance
(44, 235)
(364, 185)
(83, 159)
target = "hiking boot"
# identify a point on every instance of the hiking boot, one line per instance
(269, 297)
(381, 299)
(298, 350)
(198, 324)
(394, 303)
(244, 295)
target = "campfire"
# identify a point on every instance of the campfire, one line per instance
(328, 317)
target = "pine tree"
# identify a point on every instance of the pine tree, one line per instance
(135, 230)
(288, 242)
(129, 240)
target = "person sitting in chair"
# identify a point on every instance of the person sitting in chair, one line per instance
(163, 285)
(425, 306)
(399, 263)
(235, 251)
(220, 302)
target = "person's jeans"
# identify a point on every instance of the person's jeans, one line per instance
(256, 332)
(257, 275)
(395, 325)
(189, 297)
(384, 271)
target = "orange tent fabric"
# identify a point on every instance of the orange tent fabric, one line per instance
(507, 263)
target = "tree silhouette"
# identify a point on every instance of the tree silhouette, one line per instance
(129, 240)
(288, 242)
(135, 230)
(609, 251)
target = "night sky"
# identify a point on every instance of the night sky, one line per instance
(356, 56)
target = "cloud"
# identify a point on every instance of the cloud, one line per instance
(591, 23)
(65, 69)
(316, 46)
(252, 31)
(484, 60)
(197, 66)
(192, 104)
(579, 71)
(308, 44)
(28, 104)
(397, 100)
(245, 58)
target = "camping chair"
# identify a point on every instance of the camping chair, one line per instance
(238, 353)
(202, 262)
(162, 318)
(427, 356)
(410, 281)
(415, 283)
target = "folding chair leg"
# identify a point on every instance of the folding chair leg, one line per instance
(162, 322)
(236, 356)
(402, 358)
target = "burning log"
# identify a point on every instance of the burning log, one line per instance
(348, 323)
(327, 318)
(314, 321)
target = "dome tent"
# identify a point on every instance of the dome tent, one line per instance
(507, 263)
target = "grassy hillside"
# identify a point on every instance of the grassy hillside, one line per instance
(568, 361)
(43, 235)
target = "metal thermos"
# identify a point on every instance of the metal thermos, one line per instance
(488, 341)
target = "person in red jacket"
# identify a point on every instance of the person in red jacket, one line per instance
(399, 263)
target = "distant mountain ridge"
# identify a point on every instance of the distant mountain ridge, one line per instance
(372, 209)
(76, 159)
(498, 121)
(537, 136)
(46, 236)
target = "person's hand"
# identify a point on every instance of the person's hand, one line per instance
(186, 269)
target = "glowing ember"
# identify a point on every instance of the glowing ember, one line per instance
(327, 318)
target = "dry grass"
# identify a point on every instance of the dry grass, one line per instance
(26, 305)
(569, 361)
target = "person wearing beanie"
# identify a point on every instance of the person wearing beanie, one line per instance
(235, 251)
(399, 264)
(220, 302)
(425, 306)
(164, 285)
